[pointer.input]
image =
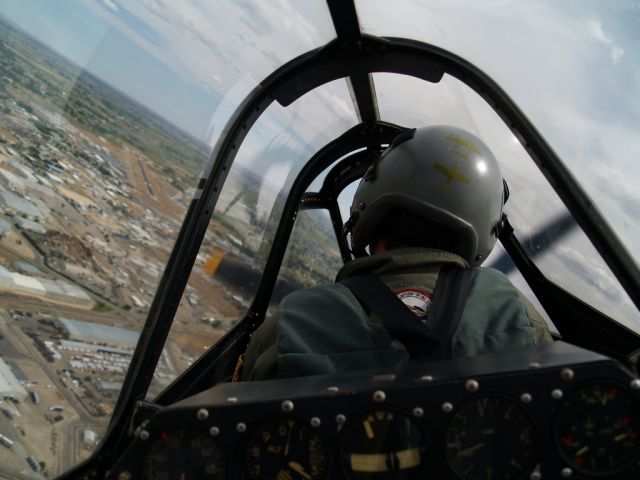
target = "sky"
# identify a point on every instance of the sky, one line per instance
(571, 66)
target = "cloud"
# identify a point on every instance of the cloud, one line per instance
(111, 4)
(593, 25)
(254, 38)
(585, 275)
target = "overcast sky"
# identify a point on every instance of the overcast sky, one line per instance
(572, 66)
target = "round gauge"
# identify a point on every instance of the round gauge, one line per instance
(597, 429)
(489, 438)
(182, 454)
(285, 449)
(383, 443)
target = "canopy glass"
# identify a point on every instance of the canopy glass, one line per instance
(570, 66)
(109, 111)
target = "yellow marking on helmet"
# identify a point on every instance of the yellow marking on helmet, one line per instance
(452, 174)
(461, 147)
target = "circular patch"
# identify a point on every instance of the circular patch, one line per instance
(418, 301)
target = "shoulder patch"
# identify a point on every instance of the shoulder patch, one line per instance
(418, 301)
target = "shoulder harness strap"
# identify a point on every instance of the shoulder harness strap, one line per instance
(422, 342)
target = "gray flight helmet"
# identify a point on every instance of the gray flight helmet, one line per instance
(443, 175)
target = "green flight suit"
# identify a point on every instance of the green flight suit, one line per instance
(325, 329)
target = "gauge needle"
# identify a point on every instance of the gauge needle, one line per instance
(470, 450)
(582, 451)
(620, 437)
(296, 467)
(286, 447)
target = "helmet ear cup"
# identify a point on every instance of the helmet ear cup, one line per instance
(445, 177)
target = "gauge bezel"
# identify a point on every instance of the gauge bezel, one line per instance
(536, 433)
(358, 414)
(255, 426)
(154, 432)
(627, 466)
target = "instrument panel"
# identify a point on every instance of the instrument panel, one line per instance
(553, 411)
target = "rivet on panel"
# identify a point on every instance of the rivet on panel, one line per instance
(526, 398)
(287, 406)
(567, 374)
(472, 385)
(379, 396)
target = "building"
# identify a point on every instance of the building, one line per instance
(30, 225)
(25, 267)
(5, 227)
(89, 438)
(54, 290)
(11, 180)
(9, 384)
(116, 337)
(18, 206)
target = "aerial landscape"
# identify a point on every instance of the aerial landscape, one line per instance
(93, 188)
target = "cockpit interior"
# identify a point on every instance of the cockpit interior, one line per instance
(566, 409)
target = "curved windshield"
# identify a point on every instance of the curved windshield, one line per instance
(239, 238)
(571, 66)
(541, 221)
(108, 111)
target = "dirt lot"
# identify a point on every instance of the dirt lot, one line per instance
(196, 341)
(17, 244)
(7, 135)
(215, 296)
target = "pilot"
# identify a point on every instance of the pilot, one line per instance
(429, 210)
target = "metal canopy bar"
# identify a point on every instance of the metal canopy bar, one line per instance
(577, 321)
(348, 170)
(363, 94)
(354, 139)
(364, 97)
(212, 363)
(410, 57)
(286, 84)
(345, 19)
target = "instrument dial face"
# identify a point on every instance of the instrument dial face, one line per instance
(285, 449)
(383, 443)
(490, 438)
(597, 430)
(183, 454)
